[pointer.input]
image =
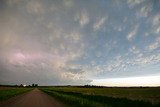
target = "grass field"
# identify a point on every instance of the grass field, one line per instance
(8, 92)
(106, 97)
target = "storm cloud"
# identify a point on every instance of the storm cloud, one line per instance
(59, 42)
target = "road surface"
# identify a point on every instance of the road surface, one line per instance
(34, 98)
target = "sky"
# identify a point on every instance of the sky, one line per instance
(78, 42)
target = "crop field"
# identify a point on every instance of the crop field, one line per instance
(106, 97)
(8, 92)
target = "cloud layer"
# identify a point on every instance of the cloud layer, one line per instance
(75, 42)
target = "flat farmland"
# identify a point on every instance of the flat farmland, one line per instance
(80, 96)
(8, 92)
(106, 97)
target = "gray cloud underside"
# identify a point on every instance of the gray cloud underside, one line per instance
(73, 42)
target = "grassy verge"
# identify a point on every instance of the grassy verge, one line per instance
(151, 94)
(77, 99)
(73, 101)
(8, 93)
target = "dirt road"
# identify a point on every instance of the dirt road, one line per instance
(34, 98)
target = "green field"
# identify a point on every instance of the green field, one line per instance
(106, 97)
(6, 93)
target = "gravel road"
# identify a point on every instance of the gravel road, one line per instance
(34, 98)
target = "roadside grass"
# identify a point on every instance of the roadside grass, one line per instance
(97, 97)
(74, 101)
(147, 94)
(8, 93)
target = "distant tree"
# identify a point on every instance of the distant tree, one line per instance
(21, 85)
(34, 85)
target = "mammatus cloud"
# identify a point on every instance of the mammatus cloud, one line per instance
(145, 10)
(156, 24)
(154, 45)
(44, 55)
(134, 50)
(76, 42)
(35, 7)
(132, 33)
(133, 3)
(68, 3)
(82, 17)
(99, 23)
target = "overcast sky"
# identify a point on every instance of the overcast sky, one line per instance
(59, 42)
